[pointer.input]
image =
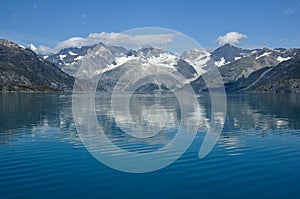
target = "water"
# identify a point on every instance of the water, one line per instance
(257, 155)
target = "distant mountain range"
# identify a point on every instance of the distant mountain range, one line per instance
(269, 70)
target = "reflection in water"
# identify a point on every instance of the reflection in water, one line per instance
(28, 115)
(263, 111)
(137, 150)
(266, 113)
(259, 115)
(156, 117)
(41, 154)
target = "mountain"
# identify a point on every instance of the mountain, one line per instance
(200, 60)
(118, 60)
(22, 69)
(239, 74)
(241, 69)
(274, 70)
(229, 53)
(146, 60)
(285, 77)
(65, 58)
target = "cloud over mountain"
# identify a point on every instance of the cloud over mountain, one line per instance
(110, 39)
(231, 38)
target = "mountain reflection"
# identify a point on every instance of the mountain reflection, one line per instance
(263, 111)
(158, 116)
(24, 114)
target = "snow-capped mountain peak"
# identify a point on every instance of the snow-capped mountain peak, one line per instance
(164, 59)
(234, 62)
(197, 58)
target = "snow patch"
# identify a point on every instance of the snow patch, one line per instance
(45, 57)
(119, 61)
(71, 53)
(221, 62)
(122, 60)
(165, 59)
(32, 47)
(281, 59)
(263, 55)
(61, 57)
(237, 58)
(78, 58)
(21, 46)
(198, 59)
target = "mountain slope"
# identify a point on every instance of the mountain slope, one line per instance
(228, 53)
(22, 69)
(241, 73)
(285, 77)
(145, 60)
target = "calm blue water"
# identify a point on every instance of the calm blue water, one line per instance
(257, 156)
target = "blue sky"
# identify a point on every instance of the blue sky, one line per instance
(266, 23)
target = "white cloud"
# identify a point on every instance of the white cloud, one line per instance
(231, 38)
(109, 39)
(45, 50)
(289, 11)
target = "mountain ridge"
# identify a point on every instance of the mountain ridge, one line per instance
(241, 69)
(22, 69)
